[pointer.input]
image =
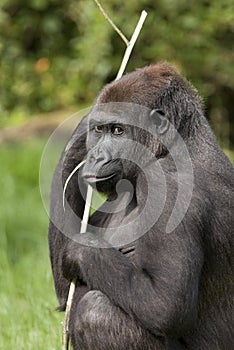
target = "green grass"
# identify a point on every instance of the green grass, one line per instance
(27, 298)
(230, 154)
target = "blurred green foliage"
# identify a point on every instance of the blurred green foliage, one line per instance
(27, 300)
(58, 53)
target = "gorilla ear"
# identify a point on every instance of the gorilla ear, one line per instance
(159, 120)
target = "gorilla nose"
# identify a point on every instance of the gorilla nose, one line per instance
(96, 163)
(96, 158)
(99, 155)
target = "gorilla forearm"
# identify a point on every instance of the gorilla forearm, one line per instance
(146, 296)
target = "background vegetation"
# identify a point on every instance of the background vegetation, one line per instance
(56, 55)
(60, 53)
(27, 300)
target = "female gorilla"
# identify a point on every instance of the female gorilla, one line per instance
(158, 289)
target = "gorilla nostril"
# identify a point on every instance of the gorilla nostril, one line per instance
(96, 159)
(100, 158)
(99, 155)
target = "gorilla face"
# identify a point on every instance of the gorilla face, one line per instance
(104, 165)
(111, 157)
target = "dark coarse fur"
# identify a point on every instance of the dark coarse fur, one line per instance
(173, 291)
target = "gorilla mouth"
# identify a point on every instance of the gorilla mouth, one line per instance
(94, 179)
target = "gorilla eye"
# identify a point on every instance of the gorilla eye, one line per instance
(117, 130)
(98, 128)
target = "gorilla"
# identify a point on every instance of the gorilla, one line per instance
(155, 269)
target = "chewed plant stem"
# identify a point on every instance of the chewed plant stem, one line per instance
(69, 178)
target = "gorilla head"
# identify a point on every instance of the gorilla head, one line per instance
(137, 108)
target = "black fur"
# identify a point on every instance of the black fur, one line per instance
(165, 291)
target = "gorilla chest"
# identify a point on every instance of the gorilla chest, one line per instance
(116, 229)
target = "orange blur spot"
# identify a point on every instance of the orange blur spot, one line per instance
(42, 65)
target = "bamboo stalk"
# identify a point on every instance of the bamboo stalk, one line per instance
(131, 44)
(84, 223)
(123, 37)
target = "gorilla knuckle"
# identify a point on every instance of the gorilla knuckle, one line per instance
(91, 310)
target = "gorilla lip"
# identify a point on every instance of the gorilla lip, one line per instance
(93, 178)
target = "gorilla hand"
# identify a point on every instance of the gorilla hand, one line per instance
(70, 260)
(75, 251)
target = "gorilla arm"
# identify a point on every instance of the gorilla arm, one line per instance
(60, 224)
(160, 290)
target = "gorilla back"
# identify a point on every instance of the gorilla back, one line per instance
(156, 267)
